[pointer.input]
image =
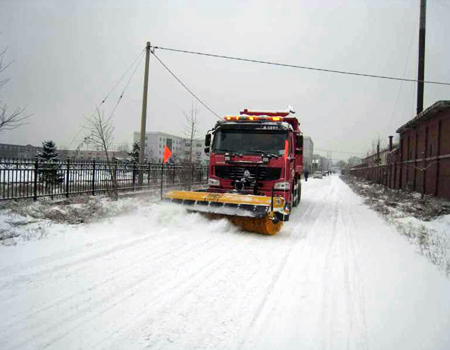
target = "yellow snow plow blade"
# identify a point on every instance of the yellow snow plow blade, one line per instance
(251, 213)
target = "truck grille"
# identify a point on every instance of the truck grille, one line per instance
(237, 172)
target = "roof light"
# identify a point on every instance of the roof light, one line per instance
(276, 119)
(240, 117)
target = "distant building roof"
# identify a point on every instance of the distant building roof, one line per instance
(430, 112)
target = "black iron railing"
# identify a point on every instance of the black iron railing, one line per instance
(32, 178)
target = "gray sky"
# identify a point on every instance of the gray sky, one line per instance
(67, 55)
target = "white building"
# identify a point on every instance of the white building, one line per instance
(180, 147)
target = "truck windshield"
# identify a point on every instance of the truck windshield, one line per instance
(249, 141)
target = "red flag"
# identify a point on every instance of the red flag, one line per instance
(286, 149)
(167, 154)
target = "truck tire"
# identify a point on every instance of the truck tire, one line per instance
(299, 197)
(296, 193)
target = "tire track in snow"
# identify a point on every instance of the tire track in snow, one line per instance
(168, 294)
(357, 294)
(268, 291)
(328, 306)
(78, 293)
(92, 301)
(76, 260)
(22, 267)
(235, 311)
(94, 309)
(342, 287)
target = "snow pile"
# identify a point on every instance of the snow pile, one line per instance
(28, 220)
(424, 221)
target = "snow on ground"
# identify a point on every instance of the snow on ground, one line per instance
(423, 220)
(336, 277)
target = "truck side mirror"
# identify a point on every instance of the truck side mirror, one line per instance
(207, 143)
(207, 140)
(299, 149)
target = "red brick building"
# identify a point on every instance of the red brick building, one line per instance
(421, 163)
(424, 152)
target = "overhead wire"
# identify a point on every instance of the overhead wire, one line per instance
(182, 84)
(442, 3)
(301, 67)
(140, 55)
(125, 89)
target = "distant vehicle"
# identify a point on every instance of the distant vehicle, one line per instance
(317, 175)
(324, 173)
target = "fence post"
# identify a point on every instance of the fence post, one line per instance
(148, 175)
(36, 170)
(67, 177)
(134, 175)
(162, 178)
(173, 174)
(93, 176)
(115, 183)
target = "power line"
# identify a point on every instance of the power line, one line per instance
(302, 67)
(195, 96)
(124, 74)
(126, 87)
(442, 4)
(109, 93)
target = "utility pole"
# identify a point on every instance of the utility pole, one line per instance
(421, 71)
(144, 117)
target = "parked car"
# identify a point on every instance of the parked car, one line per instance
(317, 175)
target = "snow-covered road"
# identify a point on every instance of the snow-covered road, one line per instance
(336, 277)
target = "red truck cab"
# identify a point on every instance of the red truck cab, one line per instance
(256, 152)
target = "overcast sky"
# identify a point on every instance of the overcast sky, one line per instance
(67, 55)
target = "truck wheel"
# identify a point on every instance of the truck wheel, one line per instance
(299, 193)
(296, 193)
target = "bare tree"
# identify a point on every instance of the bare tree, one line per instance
(191, 128)
(16, 118)
(101, 136)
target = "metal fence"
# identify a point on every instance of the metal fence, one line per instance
(32, 178)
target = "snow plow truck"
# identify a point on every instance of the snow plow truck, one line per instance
(255, 166)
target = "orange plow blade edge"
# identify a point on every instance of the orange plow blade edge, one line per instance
(249, 212)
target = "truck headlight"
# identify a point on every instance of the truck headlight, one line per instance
(282, 186)
(213, 182)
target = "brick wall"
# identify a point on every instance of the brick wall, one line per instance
(422, 161)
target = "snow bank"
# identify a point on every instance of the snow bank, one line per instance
(424, 222)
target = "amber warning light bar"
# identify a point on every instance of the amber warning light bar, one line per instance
(250, 117)
(290, 110)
